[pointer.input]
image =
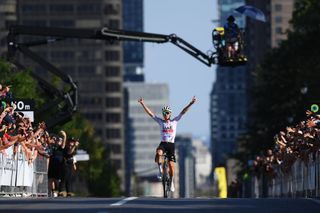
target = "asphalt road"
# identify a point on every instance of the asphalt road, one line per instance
(158, 205)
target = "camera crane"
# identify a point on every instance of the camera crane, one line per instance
(51, 34)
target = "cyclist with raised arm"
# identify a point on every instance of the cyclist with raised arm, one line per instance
(168, 128)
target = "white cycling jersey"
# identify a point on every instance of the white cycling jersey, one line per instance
(168, 128)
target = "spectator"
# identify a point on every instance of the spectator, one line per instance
(296, 142)
(5, 93)
(56, 162)
(17, 131)
(69, 166)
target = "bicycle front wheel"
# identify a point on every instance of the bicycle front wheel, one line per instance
(165, 187)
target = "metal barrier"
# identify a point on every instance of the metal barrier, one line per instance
(20, 179)
(302, 180)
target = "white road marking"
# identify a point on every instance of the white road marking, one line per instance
(121, 202)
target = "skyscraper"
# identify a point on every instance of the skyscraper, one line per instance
(228, 98)
(132, 15)
(281, 14)
(258, 39)
(95, 65)
(230, 93)
(144, 136)
(8, 16)
(203, 161)
(261, 37)
(133, 51)
(186, 166)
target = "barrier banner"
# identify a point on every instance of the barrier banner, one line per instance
(15, 170)
(8, 168)
(28, 174)
(24, 171)
(20, 178)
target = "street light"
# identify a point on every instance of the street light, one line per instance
(304, 90)
(290, 119)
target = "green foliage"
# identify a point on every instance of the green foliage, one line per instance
(106, 184)
(277, 100)
(98, 173)
(306, 17)
(23, 85)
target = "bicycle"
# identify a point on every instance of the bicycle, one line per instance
(166, 180)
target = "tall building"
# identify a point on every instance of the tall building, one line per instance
(132, 16)
(133, 51)
(228, 98)
(228, 111)
(186, 166)
(258, 39)
(95, 65)
(230, 93)
(261, 37)
(202, 157)
(281, 14)
(8, 16)
(144, 135)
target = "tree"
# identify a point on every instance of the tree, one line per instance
(99, 174)
(23, 85)
(277, 100)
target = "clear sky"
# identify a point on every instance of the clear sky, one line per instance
(191, 20)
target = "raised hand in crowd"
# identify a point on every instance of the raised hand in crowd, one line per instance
(293, 143)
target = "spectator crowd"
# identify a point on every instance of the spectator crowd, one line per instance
(33, 140)
(301, 141)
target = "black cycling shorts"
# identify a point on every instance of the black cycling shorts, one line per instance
(169, 149)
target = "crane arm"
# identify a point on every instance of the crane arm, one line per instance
(53, 34)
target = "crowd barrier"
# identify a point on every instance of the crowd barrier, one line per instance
(302, 180)
(18, 178)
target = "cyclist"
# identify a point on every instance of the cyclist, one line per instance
(168, 128)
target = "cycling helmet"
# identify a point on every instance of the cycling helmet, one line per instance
(166, 109)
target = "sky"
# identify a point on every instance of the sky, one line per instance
(191, 20)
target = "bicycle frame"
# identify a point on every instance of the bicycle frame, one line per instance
(166, 177)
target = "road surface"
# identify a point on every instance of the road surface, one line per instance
(158, 205)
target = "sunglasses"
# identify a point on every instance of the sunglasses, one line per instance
(166, 113)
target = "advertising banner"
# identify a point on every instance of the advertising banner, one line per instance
(221, 178)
